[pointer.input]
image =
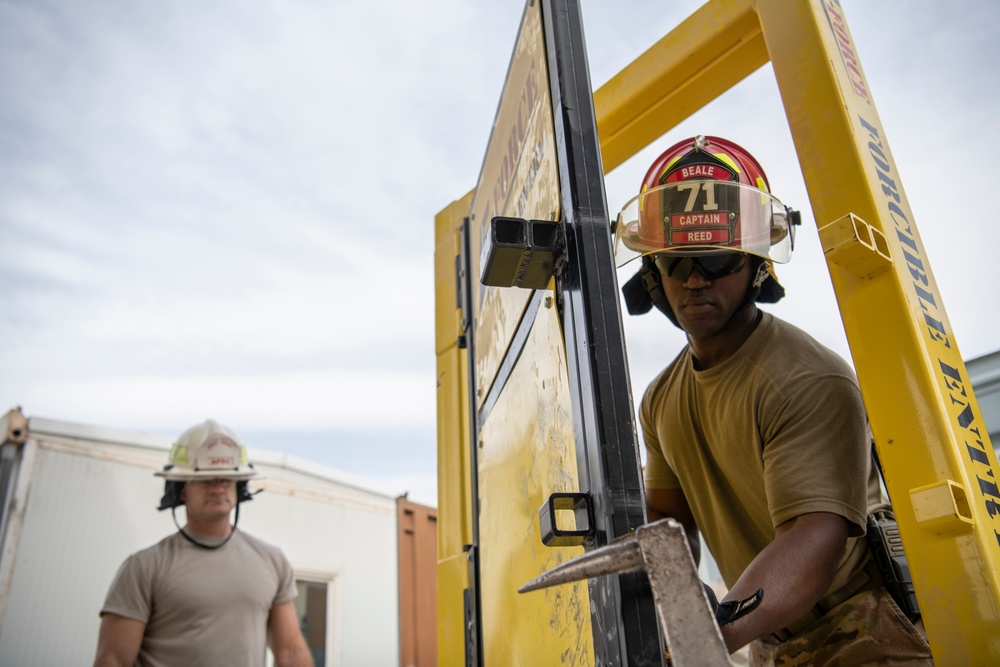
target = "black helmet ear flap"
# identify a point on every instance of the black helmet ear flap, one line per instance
(243, 492)
(637, 299)
(171, 495)
(771, 291)
(644, 290)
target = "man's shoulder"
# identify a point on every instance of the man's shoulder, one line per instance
(777, 327)
(150, 560)
(253, 539)
(257, 544)
(157, 549)
(788, 345)
(667, 377)
(665, 384)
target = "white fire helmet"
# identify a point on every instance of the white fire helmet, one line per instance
(208, 451)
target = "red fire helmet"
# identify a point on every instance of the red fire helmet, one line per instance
(701, 196)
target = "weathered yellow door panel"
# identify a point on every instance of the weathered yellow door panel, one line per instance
(519, 179)
(526, 453)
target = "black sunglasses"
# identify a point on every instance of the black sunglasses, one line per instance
(710, 267)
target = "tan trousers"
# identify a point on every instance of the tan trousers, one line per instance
(867, 629)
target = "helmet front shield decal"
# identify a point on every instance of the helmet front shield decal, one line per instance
(703, 216)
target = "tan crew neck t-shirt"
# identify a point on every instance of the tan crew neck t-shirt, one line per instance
(202, 606)
(777, 430)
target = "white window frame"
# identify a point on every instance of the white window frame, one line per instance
(333, 611)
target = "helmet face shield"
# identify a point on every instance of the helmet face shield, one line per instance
(703, 216)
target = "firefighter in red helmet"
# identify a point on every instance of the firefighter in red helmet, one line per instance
(705, 202)
(756, 435)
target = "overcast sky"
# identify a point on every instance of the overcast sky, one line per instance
(225, 208)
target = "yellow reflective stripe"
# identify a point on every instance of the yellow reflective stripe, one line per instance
(179, 454)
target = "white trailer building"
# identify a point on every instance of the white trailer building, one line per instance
(76, 500)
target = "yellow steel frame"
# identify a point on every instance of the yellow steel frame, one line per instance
(940, 468)
(713, 50)
(454, 458)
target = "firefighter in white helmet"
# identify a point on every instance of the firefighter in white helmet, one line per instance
(756, 435)
(209, 594)
(207, 451)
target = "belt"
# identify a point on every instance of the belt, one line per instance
(867, 578)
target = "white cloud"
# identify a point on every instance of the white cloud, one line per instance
(227, 207)
(310, 400)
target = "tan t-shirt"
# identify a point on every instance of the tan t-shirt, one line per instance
(775, 431)
(202, 606)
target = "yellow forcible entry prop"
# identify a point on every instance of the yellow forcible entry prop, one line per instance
(940, 468)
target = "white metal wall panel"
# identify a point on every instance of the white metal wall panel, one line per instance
(82, 518)
(356, 545)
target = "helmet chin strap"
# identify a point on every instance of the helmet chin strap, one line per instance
(189, 538)
(760, 277)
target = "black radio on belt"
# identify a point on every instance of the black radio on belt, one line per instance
(887, 548)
